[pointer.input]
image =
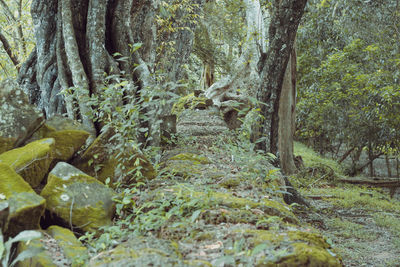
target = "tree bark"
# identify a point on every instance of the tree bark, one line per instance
(245, 75)
(77, 42)
(286, 16)
(287, 117)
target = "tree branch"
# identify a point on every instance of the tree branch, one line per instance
(7, 47)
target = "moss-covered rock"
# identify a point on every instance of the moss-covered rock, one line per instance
(18, 119)
(31, 161)
(297, 248)
(190, 101)
(23, 202)
(42, 259)
(101, 160)
(78, 198)
(69, 135)
(59, 247)
(72, 248)
(268, 207)
(140, 251)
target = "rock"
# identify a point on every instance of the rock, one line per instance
(78, 198)
(101, 160)
(140, 251)
(201, 123)
(191, 102)
(18, 119)
(297, 248)
(69, 135)
(31, 161)
(26, 207)
(59, 247)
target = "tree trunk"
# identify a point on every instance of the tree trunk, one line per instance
(245, 76)
(76, 43)
(287, 117)
(286, 16)
(389, 170)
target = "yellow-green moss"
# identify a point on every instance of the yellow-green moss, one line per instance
(303, 248)
(43, 259)
(269, 207)
(68, 143)
(187, 102)
(31, 161)
(89, 199)
(193, 158)
(23, 201)
(71, 246)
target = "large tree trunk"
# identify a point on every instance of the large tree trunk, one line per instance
(76, 43)
(287, 107)
(244, 74)
(286, 16)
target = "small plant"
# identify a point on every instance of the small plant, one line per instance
(6, 248)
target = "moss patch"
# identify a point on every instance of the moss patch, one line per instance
(23, 201)
(31, 161)
(296, 248)
(78, 198)
(70, 245)
(189, 102)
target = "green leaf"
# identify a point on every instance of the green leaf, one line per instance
(259, 248)
(195, 215)
(29, 253)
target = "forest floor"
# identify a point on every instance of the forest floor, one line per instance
(362, 223)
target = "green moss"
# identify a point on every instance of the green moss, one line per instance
(311, 158)
(230, 183)
(90, 201)
(70, 245)
(68, 143)
(193, 158)
(43, 259)
(23, 201)
(301, 248)
(187, 102)
(269, 207)
(31, 161)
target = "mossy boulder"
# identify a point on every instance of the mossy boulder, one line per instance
(141, 251)
(18, 119)
(25, 206)
(267, 207)
(70, 136)
(59, 247)
(78, 198)
(190, 101)
(292, 248)
(32, 161)
(185, 164)
(101, 160)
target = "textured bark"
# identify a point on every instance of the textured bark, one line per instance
(245, 75)
(76, 43)
(286, 16)
(287, 117)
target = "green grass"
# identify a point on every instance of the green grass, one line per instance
(311, 158)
